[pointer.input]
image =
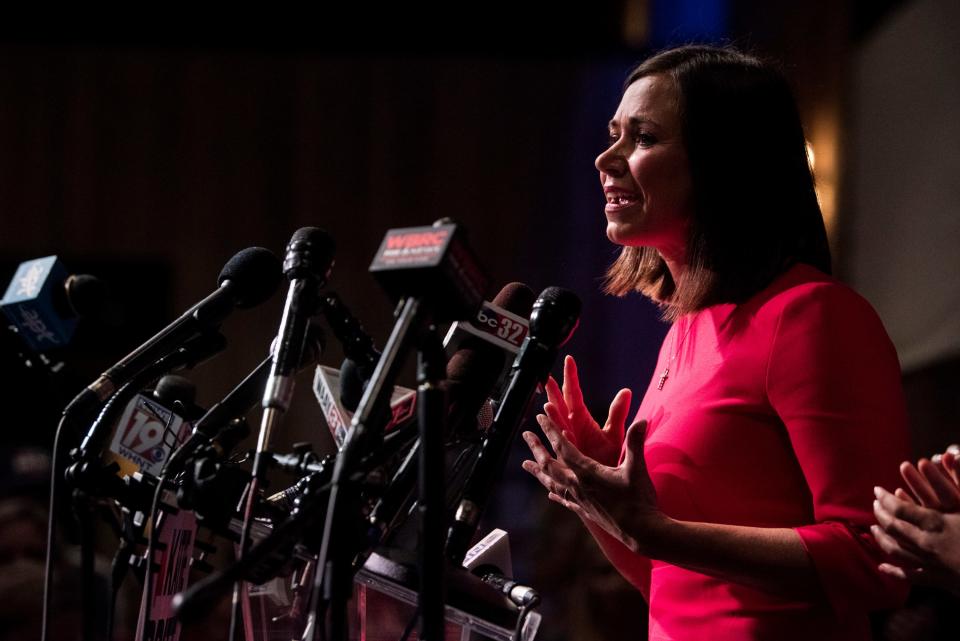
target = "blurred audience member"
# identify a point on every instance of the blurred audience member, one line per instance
(920, 530)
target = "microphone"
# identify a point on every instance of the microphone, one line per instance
(43, 302)
(307, 265)
(238, 402)
(151, 426)
(438, 278)
(473, 372)
(248, 279)
(555, 316)
(361, 354)
(192, 352)
(521, 595)
(475, 368)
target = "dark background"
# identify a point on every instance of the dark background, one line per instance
(150, 154)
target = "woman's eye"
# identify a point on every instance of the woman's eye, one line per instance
(644, 140)
(641, 139)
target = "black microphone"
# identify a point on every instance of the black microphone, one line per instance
(555, 316)
(361, 355)
(473, 371)
(240, 400)
(307, 265)
(248, 279)
(151, 425)
(521, 595)
(191, 353)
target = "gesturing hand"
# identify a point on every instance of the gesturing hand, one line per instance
(620, 499)
(565, 409)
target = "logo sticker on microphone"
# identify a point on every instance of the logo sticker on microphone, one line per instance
(498, 322)
(147, 433)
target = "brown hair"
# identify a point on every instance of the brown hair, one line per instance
(755, 211)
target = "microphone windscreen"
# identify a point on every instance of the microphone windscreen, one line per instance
(352, 385)
(556, 314)
(255, 273)
(516, 298)
(309, 254)
(173, 388)
(86, 294)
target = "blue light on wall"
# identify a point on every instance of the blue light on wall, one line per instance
(675, 22)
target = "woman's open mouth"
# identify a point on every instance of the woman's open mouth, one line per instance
(620, 199)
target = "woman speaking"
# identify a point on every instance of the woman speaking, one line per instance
(739, 500)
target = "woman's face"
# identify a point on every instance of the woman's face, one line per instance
(645, 173)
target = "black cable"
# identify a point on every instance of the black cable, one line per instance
(51, 527)
(113, 589)
(118, 567)
(525, 611)
(246, 524)
(84, 511)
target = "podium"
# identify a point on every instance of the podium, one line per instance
(384, 605)
(474, 610)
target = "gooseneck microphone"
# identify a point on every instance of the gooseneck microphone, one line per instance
(248, 279)
(189, 354)
(307, 265)
(361, 355)
(238, 402)
(555, 316)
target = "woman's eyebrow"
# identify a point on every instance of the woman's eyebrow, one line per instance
(634, 121)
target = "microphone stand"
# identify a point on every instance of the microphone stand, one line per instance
(333, 584)
(91, 479)
(84, 513)
(431, 415)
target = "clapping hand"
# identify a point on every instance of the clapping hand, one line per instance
(922, 532)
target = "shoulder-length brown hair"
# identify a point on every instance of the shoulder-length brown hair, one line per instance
(755, 211)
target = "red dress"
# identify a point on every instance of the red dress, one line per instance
(784, 411)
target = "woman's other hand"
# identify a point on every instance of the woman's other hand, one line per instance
(565, 409)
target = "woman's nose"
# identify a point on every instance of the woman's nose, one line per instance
(611, 161)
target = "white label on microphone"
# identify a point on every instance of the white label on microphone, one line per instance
(147, 433)
(177, 532)
(493, 324)
(326, 387)
(493, 549)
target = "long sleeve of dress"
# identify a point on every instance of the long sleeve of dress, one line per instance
(834, 380)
